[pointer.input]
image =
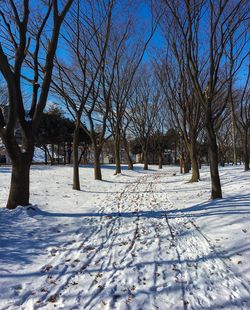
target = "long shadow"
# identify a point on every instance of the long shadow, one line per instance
(239, 204)
(5, 169)
(26, 251)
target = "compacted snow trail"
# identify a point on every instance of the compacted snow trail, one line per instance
(136, 252)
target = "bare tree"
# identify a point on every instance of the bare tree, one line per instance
(124, 133)
(204, 38)
(76, 80)
(127, 63)
(143, 110)
(237, 51)
(23, 28)
(184, 108)
(243, 116)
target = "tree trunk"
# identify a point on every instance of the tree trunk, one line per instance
(117, 155)
(58, 154)
(129, 160)
(64, 153)
(213, 157)
(234, 143)
(194, 162)
(246, 154)
(181, 164)
(69, 151)
(19, 186)
(186, 165)
(76, 179)
(52, 154)
(45, 155)
(160, 161)
(97, 165)
(145, 155)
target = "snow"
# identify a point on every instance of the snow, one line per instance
(39, 156)
(139, 240)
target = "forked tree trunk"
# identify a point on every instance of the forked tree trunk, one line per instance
(76, 179)
(19, 186)
(246, 153)
(97, 165)
(214, 160)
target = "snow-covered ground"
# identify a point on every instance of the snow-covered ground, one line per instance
(140, 240)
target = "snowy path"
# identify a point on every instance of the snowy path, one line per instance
(138, 252)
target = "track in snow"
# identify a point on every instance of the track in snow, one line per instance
(140, 253)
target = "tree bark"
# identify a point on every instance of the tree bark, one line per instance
(97, 165)
(214, 160)
(194, 162)
(76, 179)
(19, 186)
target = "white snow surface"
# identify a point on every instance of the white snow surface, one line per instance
(139, 240)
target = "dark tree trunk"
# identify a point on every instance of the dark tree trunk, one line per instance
(76, 179)
(194, 162)
(19, 186)
(97, 164)
(117, 155)
(45, 154)
(160, 161)
(213, 157)
(186, 165)
(145, 158)
(58, 153)
(222, 162)
(64, 153)
(52, 154)
(246, 153)
(129, 160)
(69, 152)
(130, 163)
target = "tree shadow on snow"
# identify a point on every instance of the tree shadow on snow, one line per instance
(237, 205)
